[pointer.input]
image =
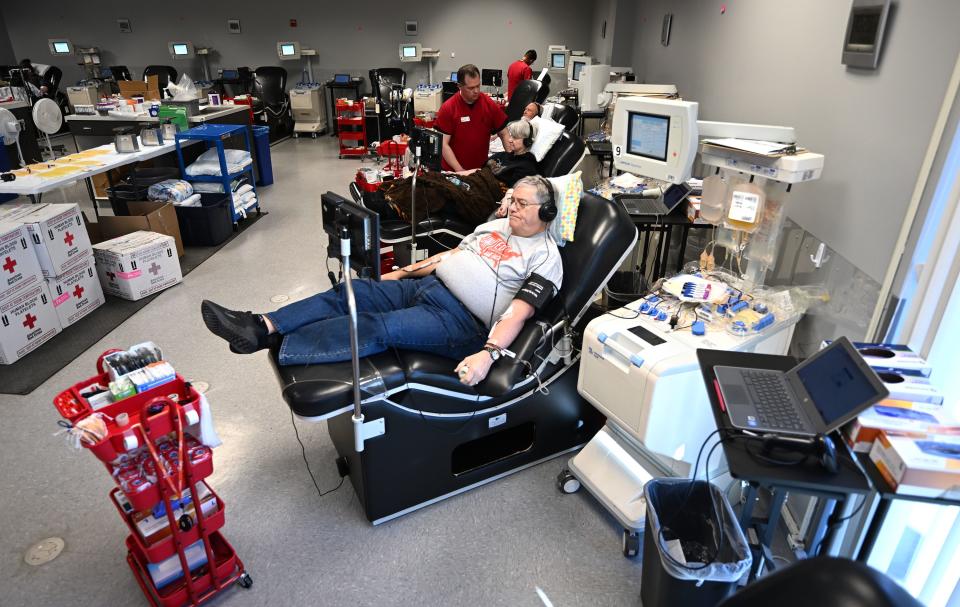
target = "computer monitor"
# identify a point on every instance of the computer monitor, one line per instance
(655, 137)
(181, 50)
(364, 227)
(60, 46)
(410, 51)
(558, 59)
(453, 76)
(491, 77)
(430, 143)
(288, 51)
(341, 78)
(576, 65)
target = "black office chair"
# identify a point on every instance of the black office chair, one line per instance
(566, 115)
(526, 92)
(824, 582)
(120, 72)
(164, 73)
(270, 86)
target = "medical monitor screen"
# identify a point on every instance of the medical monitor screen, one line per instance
(180, 49)
(288, 50)
(647, 135)
(577, 68)
(558, 60)
(61, 47)
(453, 76)
(341, 78)
(409, 51)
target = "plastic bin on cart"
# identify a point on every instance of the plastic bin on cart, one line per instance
(165, 548)
(696, 516)
(261, 141)
(226, 569)
(207, 225)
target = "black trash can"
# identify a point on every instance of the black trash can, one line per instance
(695, 518)
(207, 225)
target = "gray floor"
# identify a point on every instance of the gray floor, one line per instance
(492, 546)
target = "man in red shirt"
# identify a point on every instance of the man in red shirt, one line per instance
(519, 71)
(467, 120)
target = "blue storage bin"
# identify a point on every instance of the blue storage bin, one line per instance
(261, 139)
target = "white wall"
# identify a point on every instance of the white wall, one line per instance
(350, 37)
(778, 62)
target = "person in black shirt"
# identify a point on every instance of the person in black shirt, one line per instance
(516, 161)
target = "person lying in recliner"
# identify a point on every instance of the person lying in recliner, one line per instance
(467, 195)
(504, 271)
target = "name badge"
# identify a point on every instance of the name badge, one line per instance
(464, 118)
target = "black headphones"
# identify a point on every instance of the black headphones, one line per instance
(548, 210)
(528, 140)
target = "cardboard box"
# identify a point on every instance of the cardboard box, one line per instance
(915, 388)
(928, 466)
(137, 265)
(890, 356)
(59, 237)
(18, 261)
(76, 293)
(898, 418)
(27, 321)
(146, 216)
(137, 88)
(11, 213)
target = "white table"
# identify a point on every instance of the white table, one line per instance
(35, 186)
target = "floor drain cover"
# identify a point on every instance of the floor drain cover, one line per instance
(44, 551)
(280, 298)
(200, 386)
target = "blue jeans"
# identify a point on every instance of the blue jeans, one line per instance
(419, 314)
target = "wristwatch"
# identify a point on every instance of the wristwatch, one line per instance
(493, 351)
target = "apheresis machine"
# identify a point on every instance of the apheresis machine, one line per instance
(639, 364)
(306, 99)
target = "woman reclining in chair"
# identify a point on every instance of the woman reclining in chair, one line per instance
(505, 270)
(478, 193)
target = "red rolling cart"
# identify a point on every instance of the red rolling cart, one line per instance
(159, 469)
(351, 128)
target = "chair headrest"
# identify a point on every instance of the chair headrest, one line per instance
(526, 92)
(562, 156)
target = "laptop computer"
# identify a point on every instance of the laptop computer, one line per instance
(637, 205)
(816, 397)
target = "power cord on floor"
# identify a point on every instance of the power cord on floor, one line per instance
(303, 451)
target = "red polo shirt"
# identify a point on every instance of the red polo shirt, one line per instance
(517, 73)
(470, 127)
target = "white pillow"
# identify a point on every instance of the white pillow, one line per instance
(548, 132)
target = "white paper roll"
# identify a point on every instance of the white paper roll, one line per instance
(130, 441)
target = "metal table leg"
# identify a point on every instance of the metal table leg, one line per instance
(873, 530)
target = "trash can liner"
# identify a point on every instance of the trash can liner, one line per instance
(675, 510)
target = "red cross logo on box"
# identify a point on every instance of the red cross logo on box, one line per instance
(78, 292)
(29, 321)
(9, 265)
(154, 268)
(68, 238)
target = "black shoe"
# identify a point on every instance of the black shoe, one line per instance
(245, 332)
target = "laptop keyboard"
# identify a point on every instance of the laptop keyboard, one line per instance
(775, 408)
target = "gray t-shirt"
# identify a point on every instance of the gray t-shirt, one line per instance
(492, 255)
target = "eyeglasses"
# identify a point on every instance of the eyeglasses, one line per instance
(522, 204)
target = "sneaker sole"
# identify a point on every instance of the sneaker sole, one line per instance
(238, 344)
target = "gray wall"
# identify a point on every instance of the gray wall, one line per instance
(778, 62)
(601, 46)
(7, 55)
(349, 37)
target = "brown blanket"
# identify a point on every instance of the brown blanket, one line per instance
(435, 191)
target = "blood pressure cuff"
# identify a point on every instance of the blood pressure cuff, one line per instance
(536, 291)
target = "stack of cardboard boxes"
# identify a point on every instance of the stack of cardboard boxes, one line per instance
(913, 437)
(48, 278)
